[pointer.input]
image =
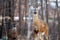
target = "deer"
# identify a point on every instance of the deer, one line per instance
(11, 30)
(41, 27)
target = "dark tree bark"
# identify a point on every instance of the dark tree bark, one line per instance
(46, 11)
(58, 18)
(42, 9)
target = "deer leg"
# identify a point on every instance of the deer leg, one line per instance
(39, 36)
(46, 37)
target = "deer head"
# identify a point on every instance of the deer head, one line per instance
(36, 12)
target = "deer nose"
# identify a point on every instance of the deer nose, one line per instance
(34, 12)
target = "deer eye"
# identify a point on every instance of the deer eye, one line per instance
(34, 12)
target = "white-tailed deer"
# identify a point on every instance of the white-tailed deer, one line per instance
(11, 30)
(41, 27)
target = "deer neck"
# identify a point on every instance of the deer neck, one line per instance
(35, 19)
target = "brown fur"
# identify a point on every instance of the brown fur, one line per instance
(40, 25)
(12, 34)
